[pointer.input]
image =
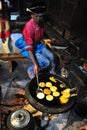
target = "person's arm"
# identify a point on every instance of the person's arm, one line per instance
(34, 61)
(29, 33)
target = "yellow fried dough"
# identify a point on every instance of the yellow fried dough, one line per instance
(49, 97)
(66, 95)
(48, 84)
(53, 88)
(56, 94)
(53, 79)
(47, 91)
(42, 84)
(62, 85)
(67, 90)
(40, 95)
(63, 100)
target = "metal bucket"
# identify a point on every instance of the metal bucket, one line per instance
(20, 119)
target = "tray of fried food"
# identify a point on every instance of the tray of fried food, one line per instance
(66, 94)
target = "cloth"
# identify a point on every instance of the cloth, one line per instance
(21, 44)
(32, 33)
(4, 33)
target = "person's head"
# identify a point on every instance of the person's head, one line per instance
(37, 10)
(37, 18)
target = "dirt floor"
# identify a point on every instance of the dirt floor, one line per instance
(12, 98)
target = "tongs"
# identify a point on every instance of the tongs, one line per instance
(38, 88)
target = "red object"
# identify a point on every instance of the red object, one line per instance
(4, 33)
(0, 34)
(32, 33)
(7, 33)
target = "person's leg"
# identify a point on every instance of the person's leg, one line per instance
(43, 63)
(42, 60)
(50, 56)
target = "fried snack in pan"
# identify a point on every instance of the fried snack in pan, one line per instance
(67, 90)
(49, 97)
(62, 85)
(47, 91)
(42, 84)
(66, 95)
(56, 94)
(52, 79)
(63, 100)
(53, 88)
(48, 84)
(40, 95)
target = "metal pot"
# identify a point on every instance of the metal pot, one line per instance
(44, 105)
(20, 119)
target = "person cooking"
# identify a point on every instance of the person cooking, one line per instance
(32, 47)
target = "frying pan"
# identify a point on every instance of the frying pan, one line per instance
(43, 105)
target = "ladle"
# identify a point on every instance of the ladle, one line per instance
(39, 91)
(38, 88)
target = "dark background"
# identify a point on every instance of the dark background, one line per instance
(66, 14)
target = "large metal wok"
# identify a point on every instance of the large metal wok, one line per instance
(42, 104)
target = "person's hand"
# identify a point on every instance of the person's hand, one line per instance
(36, 69)
(84, 127)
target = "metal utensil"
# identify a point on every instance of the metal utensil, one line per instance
(38, 88)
